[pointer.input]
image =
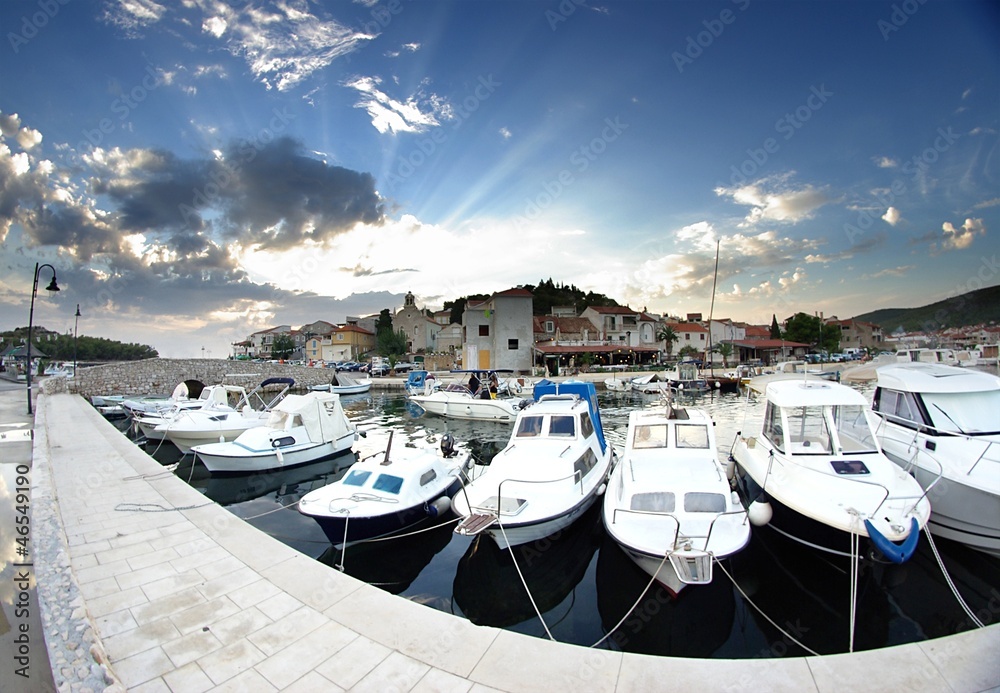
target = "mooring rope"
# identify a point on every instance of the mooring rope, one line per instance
(632, 608)
(761, 612)
(947, 578)
(523, 582)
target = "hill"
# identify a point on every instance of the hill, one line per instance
(974, 308)
(545, 295)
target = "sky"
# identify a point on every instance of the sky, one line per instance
(198, 170)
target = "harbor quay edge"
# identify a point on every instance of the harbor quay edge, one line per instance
(191, 597)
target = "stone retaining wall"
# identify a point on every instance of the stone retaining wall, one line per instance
(161, 376)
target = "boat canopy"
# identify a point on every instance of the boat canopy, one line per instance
(796, 392)
(934, 377)
(320, 412)
(584, 390)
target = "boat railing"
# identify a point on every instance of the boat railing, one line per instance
(661, 513)
(577, 477)
(917, 451)
(886, 494)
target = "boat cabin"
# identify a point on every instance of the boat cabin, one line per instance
(804, 419)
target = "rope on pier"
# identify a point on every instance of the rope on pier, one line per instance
(632, 608)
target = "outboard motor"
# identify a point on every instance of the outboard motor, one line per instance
(448, 445)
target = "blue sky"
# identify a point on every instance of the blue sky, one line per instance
(199, 170)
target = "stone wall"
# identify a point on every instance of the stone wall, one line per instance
(160, 376)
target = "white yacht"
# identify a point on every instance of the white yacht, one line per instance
(669, 504)
(554, 467)
(943, 421)
(814, 471)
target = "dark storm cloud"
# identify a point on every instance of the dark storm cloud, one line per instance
(282, 197)
(69, 226)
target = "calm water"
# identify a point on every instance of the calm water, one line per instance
(585, 585)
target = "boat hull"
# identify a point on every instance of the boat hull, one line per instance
(960, 512)
(185, 440)
(516, 534)
(468, 408)
(360, 528)
(240, 460)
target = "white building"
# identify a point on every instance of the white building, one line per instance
(499, 331)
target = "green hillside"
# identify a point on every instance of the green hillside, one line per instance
(973, 308)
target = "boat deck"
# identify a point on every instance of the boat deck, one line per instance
(181, 595)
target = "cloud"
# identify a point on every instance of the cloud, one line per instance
(10, 126)
(866, 245)
(885, 162)
(133, 15)
(960, 238)
(505, 133)
(891, 216)
(772, 199)
(987, 203)
(891, 272)
(417, 113)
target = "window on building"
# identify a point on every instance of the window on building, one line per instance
(512, 344)
(550, 326)
(702, 336)
(687, 336)
(340, 337)
(484, 330)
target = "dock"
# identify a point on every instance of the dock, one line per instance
(171, 592)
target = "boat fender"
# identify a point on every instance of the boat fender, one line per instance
(601, 489)
(222, 439)
(896, 553)
(281, 458)
(760, 513)
(717, 384)
(438, 507)
(730, 468)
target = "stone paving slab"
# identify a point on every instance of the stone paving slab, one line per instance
(181, 595)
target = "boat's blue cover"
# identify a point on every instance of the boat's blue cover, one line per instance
(583, 390)
(416, 379)
(277, 381)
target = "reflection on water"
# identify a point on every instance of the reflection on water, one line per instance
(583, 583)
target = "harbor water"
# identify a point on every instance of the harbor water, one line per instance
(773, 599)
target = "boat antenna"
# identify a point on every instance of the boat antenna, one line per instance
(388, 446)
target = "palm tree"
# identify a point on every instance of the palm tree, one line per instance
(669, 335)
(725, 349)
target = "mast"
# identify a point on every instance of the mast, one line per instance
(711, 309)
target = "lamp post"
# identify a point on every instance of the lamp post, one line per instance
(76, 324)
(31, 317)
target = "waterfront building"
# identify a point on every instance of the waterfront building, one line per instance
(498, 331)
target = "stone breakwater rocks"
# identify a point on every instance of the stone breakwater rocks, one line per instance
(160, 376)
(77, 657)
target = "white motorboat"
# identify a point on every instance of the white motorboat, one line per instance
(651, 384)
(345, 384)
(215, 398)
(137, 406)
(478, 400)
(190, 427)
(799, 367)
(685, 378)
(813, 470)
(388, 492)
(553, 468)
(944, 421)
(669, 504)
(300, 429)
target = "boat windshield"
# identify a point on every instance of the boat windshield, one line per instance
(692, 436)
(388, 483)
(853, 429)
(652, 436)
(529, 427)
(356, 478)
(964, 412)
(808, 432)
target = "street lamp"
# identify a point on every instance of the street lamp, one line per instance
(76, 324)
(31, 317)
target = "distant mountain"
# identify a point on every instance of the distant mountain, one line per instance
(974, 308)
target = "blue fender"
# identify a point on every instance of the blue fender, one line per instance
(897, 553)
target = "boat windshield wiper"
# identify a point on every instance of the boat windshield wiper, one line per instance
(938, 407)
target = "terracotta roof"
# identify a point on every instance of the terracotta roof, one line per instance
(769, 344)
(595, 349)
(353, 328)
(517, 291)
(689, 327)
(617, 310)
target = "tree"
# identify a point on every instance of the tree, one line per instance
(391, 344)
(809, 329)
(775, 330)
(384, 321)
(669, 335)
(725, 350)
(688, 352)
(282, 346)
